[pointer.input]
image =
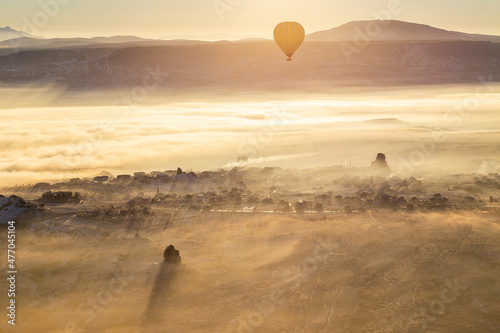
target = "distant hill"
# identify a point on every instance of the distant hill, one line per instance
(388, 122)
(255, 65)
(392, 30)
(50, 43)
(401, 54)
(27, 43)
(7, 33)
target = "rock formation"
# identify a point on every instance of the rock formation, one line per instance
(15, 208)
(171, 255)
(380, 163)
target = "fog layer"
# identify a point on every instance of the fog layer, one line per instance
(422, 129)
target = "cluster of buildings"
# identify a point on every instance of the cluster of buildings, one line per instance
(61, 197)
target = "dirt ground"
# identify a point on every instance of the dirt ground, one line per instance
(255, 272)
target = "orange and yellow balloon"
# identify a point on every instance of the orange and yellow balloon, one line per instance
(289, 36)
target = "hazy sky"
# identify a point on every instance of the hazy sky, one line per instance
(157, 18)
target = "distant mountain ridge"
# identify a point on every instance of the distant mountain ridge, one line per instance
(392, 30)
(49, 43)
(7, 33)
(375, 30)
(254, 65)
(425, 56)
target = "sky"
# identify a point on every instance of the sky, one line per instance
(242, 18)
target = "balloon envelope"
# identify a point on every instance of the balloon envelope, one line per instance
(289, 36)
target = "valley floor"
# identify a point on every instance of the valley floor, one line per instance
(252, 272)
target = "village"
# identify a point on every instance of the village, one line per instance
(259, 190)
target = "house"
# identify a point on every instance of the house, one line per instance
(60, 197)
(123, 178)
(101, 179)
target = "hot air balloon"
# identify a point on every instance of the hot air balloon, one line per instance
(289, 36)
